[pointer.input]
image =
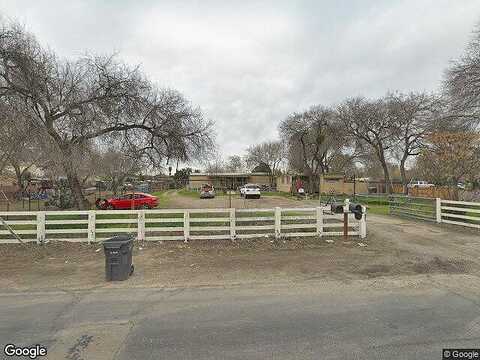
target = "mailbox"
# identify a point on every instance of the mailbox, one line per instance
(354, 208)
(357, 210)
(336, 208)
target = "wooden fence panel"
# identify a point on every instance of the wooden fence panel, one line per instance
(177, 224)
(461, 213)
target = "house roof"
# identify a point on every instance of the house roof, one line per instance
(333, 176)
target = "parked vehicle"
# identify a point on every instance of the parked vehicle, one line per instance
(207, 191)
(128, 201)
(419, 184)
(250, 191)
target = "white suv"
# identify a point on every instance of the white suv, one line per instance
(419, 184)
(250, 190)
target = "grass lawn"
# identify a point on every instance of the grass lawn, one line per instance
(278, 193)
(190, 193)
(377, 209)
(163, 197)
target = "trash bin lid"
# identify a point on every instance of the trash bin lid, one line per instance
(117, 241)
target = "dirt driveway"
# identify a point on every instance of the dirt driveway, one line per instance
(394, 248)
(177, 201)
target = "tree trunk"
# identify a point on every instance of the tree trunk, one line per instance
(403, 175)
(309, 173)
(75, 185)
(114, 186)
(271, 177)
(386, 174)
(19, 176)
(72, 177)
(388, 186)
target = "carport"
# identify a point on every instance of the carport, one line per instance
(222, 181)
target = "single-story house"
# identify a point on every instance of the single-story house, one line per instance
(328, 184)
(226, 180)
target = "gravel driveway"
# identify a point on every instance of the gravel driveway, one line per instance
(177, 201)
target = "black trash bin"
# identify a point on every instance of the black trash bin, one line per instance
(118, 257)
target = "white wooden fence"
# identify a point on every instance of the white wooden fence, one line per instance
(461, 213)
(177, 224)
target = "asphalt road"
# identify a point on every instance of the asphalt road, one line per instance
(411, 318)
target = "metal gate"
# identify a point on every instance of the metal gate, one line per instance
(413, 207)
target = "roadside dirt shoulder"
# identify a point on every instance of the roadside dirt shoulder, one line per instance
(207, 263)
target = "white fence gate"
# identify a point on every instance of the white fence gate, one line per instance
(461, 213)
(178, 224)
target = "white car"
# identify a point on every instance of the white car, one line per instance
(419, 184)
(250, 191)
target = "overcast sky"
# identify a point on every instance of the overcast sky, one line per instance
(248, 64)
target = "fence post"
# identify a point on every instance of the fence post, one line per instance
(438, 208)
(363, 223)
(40, 227)
(319, 221)
(141, 225)
(346, 210)
(278, 222)
(232, 224)
(186, 225)
(91, 226)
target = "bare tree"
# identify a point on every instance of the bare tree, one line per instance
(20, 145)
(370, 124)
(9, 130)
(97, 98)
(118, 166)
(414, 116)
(215, 164)
(316, 141)
(270, 153)
(450, 157)
(23, 161)
(234, 163)
(462, 84)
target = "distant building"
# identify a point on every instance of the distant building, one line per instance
(338, 184)
(161, 182)
(284, 182)
(227, 180)
(293, 182)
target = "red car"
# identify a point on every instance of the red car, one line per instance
(125, 202)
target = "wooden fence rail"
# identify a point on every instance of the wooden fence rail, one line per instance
(177, 224)
(461, 213)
